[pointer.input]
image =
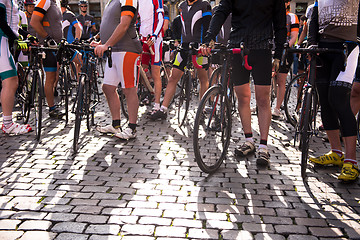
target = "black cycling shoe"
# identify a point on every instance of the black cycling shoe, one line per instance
(158, 115)
(56, 114)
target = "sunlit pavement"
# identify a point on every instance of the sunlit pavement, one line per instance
(151, 187)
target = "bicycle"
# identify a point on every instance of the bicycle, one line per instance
(306, 125)
(87, 96)
(32, 92)
(213, 121)
(187, 84)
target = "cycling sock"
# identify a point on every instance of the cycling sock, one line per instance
(52, 108)
(263, 143)
(249, 137)
(338, 152)
(7, 121)
(132, 126)
(354, 162)
(157, 106)
(116, 123)
(163, 108)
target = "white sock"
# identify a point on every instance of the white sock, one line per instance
(7, 121)
(163, 108)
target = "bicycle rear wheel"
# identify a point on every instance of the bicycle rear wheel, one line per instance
(305, 130)
(215, 77)
(38, 102)
(79, 111)
(212, 130)
(184, 98)
(294, 96)
(64, 91)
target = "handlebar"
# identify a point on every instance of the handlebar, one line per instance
(314, 50)
(85, 48)
(244, 53)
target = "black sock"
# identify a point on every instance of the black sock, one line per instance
(132, 126)
(116, 123)
(263, 142)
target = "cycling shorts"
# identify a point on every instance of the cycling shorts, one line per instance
(180, 61)
(157, 50)
(50, 62)
(260, 61)
(286, 67)
(331, 65)
(124, 69)
(7, 63)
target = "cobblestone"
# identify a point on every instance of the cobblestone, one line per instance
(151, 188)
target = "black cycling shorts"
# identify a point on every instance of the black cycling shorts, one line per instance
(260, 61)
(50, 62)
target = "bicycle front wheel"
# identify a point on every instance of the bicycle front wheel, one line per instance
(305, 130)
(38, 102)
(294, 95)
(184, 99)
(212, 130)
(79, 112)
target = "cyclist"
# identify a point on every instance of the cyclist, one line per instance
(292, 25)
(86, 20)
(9, 25)
(71, 27)
(126, 49)
(333, 24)
(29, 9)
(151, 14)
(46, 20)
(255, 30)
(195, 18)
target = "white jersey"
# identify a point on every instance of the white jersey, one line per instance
(151, 14)
(12, 15)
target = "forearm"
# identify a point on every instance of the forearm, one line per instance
(78, 31)
(303, 34)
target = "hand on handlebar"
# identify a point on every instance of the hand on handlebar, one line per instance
(205, 49)
(100, 49)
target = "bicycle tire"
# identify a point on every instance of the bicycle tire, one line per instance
(25, 96)
(215, 77)
(38, 102)
(306, 130)
(64, 92)
(212, 130)
(87, 95)
(79, 111)
(294, 97)
(184, 99)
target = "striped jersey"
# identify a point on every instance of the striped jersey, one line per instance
(69, 20)
(192, 19)
(292, 24)
(50, 12)
(151, 14)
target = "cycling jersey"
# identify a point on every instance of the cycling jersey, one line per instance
(50, 12)
(69, 20)
(31, 30)
(254, 22)
(224, 33)
(23, 22)
(334, 21)
(111, 19)
(292, 24)
(151, 14)
(87, 22)
(195, 20)
(176, 27)
(12, 19)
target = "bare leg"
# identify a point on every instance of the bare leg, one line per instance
(243, 94)
(264, 110)
(8, 91)
(113, 100)
(171, 87)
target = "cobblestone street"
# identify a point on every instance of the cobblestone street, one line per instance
(151, 187)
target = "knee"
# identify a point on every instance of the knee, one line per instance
(108, 89)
